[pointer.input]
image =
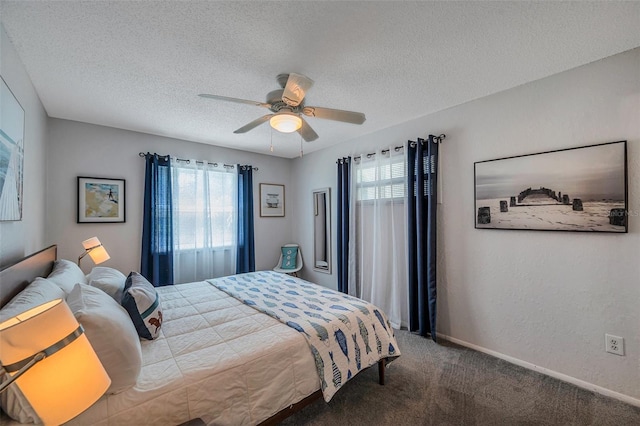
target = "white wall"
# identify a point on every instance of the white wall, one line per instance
(81, 149)
(19, 238)
(542, 299)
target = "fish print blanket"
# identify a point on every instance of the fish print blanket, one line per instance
(345, 334)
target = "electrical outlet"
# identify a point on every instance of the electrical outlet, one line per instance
(614, 344)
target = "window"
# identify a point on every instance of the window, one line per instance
(384, 179)
(204, 201)
(377, 239)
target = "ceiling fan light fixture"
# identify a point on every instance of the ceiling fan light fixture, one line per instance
(286, 122)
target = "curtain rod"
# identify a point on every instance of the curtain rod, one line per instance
(229, 166)
(436, 139)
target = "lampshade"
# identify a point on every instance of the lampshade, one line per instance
(99, 255)
(285, 122)
(69, 379)
(94, 248)
(90, 243)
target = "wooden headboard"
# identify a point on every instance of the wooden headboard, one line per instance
(14, 278)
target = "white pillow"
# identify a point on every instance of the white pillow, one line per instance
(110, 332)
(66, 274)
(40, 291)
(109, 280)
(35, 294)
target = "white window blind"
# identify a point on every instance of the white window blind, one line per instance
(380, 180)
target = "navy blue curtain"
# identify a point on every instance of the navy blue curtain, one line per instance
(246, 254)
(344, 182)
(422, 185)
(157, 222)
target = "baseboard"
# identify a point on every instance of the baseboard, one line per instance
(580, 383)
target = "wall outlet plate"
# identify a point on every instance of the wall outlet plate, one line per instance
(614, 344)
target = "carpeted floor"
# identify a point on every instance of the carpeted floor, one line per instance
(445, 384)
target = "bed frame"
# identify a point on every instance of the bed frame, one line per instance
(14, 278)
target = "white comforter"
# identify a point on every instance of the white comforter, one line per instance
(216, 359)
(345, 334)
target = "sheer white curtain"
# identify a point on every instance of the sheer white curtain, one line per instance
(204, 220)
(377, 240)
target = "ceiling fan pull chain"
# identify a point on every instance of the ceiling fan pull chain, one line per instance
(301, 153)
(271, 147)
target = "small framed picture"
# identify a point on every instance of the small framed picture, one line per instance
(101, 200)
(271, 200)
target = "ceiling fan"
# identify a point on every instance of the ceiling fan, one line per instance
(287, 107)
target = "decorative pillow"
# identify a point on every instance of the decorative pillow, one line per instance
(142, 302)
(66, 274)
(289, 255)
(111, 334)
(109, 280)
(40, 291)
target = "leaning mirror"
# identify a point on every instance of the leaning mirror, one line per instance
(322, 230)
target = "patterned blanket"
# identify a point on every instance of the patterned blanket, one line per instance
(345, 334)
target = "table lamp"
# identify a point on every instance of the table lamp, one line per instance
(96, 251)
(48, 357)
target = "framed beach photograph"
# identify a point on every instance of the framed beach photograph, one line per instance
(271, 200)
(11, 155)
(575, 189)
(101, 200)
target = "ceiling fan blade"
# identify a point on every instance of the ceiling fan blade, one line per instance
(335, 114)
(296, 88)
(307, 133)
(254, 123)
(236, 100)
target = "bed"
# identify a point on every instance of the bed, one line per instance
(225, 359)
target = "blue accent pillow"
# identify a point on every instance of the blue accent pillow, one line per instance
(141, 301)
(289, 255)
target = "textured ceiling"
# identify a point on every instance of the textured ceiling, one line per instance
(140, 65)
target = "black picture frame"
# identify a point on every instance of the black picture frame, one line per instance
(581, 189)
(101, 200)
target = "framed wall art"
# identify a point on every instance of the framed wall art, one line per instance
(271, 200)
(575, 189)
(101, 200)
(11, 155)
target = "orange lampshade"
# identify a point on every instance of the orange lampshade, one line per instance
(69, 379)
